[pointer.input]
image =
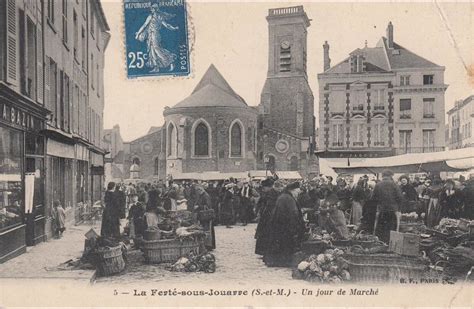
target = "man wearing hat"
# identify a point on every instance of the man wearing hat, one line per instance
(286, 228)
(389, 198)
(265, 207)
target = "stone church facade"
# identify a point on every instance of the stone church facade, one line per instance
(215, 130)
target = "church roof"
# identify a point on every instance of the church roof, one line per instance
(153, 129)
(384, 59)
(212, 91)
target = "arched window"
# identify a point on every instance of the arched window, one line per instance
(201, 140)
(294, 164)
(172, 140)
(236, 140)
(136, 161)
(156, 166)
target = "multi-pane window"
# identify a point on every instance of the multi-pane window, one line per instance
(28, 64)
(359, 135)
(156, 166)
(405, 141)
(65, 36)
(236, 140)
(405, 80)
(379, 97)
(378, 134)
(98, 78)
(338, 135)
(428, 140)
(428, 108)
(428, 79)
(359, 97)
(201, 140)
(405, 108)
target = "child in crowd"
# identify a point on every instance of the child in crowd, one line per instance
(59, 219)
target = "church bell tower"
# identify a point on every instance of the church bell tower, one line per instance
(287, 103)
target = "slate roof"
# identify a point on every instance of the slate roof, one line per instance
(212, 91)
(383, 59)
(153, 130)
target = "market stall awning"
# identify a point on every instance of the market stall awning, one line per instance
(447, 161)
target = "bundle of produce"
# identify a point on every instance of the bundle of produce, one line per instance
(195, 263)
(413, 227)
(190, 232)
(327, 267)
(409, 217)
(322, 235)
(366, 237)
(447, 226)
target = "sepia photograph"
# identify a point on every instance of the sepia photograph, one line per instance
(188, 153)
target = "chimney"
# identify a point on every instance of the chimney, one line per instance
(390, 35)
(327, 60)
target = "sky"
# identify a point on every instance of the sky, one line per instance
(234, 37)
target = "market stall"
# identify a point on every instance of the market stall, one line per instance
(447, 161)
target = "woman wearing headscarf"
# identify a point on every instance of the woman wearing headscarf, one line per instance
(111, 216)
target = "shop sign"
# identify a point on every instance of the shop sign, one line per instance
(17, 117)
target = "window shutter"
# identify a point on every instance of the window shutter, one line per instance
(12, 48)
(353, 62)
(39, 59)
(47, 86)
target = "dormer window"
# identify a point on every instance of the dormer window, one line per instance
(357, 63)
(285, 56)
(428, 79)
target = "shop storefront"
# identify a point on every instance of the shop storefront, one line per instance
(97, 175)
(22, 213)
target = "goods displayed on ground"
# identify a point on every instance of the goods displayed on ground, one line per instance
(409, 217)
(195, 263)
(176, 243)
(327, 267)
(109, 256)
(445, 252)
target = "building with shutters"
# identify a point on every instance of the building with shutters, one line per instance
(51, 96)
(460, 119)
(380, 101)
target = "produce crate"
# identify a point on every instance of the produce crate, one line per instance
(404, 243)
(384, 267)
(168, 250)
(314, 246)
(109, 261)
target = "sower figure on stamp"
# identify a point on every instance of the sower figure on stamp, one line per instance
(158, 57)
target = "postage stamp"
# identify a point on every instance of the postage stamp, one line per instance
(156, 38)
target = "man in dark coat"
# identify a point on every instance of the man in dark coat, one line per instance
(204, 202)
(136, 217)
(265, 207)
(286, 228)
(111, 217)
(389, 198)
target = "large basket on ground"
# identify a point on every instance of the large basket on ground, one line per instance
(109, 261)
(384, 267)
(168, 250)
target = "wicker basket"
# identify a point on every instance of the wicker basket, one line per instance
(314, 246)
(110, 261)
(168, 250)
(384, 267)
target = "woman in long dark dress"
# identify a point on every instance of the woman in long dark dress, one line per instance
(266, 206)
(204, 203)
(111, 216)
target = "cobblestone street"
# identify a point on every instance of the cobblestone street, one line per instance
(235, 259)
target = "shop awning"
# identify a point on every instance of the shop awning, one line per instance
(289, 175)
(445, 161)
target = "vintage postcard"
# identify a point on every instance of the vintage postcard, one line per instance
(172, 153)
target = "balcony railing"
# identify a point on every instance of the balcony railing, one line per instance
(429, 115)
(359, 107)
(405, 116)
(379, 144)
(379, 108)
(337, 144)
(359, 144)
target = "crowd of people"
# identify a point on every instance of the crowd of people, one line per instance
(283, 208)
